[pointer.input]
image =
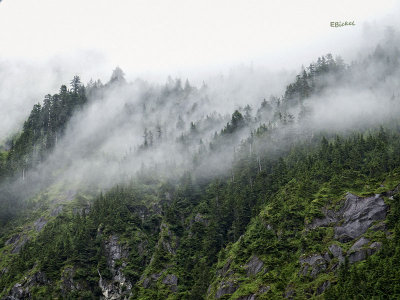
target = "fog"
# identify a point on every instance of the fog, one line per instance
(24, 82)
(104, 144)
(155, 125)
(43, 44)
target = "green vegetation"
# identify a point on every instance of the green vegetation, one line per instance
(267, 225)
(200, 226)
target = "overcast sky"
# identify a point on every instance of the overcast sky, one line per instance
(180, 37)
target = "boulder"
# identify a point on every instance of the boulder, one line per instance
(357, 256)
(359, 244)
(254, 266)
(226, 288)
(337, 252)
(264, 289)
(312, 265)
(172, 281)
(376, 246)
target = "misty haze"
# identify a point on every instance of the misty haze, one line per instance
(167, 150)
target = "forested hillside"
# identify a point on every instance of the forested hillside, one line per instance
(137, 191)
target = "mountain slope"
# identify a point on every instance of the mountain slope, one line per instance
(146, 193)
(163, 240)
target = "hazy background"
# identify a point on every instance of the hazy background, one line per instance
(44, 43)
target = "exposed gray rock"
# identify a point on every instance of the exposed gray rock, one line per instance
(168, 247)
(148, 281)
(39, 224)
(363, 253)
(392, 192)
(56, 211)
(376, 245)
(337, 252)
(254, 266)
(39, 278)
(355, 216)
(22, 290)
(80, 211)
(357, 256)
(19, 243)
(381, 226)
(224, 271)
(167, 241)
(142, 246)
(18, 292)
(312, 265)
(13, 239)
(67, 282)
(118, 287)
(359, 244)
(264, 289)
(289, 293)
(358, 214)
(331, 217)
(323, 287)
(199, 218)
(327, 257)
(172, 281)
(226, 288)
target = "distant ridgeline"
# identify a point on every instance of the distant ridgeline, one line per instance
(47, 121)
(42, 129)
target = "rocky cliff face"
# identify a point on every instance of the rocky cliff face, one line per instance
(118, 287)
(350, 222)
(348, 225)
(355, 217)
(22, 289)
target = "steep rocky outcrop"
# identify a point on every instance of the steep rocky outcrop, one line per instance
(350, 222)
(17, 241)
(39, 224)
(21, 290)
(226, 288)
(312, 265)
(118, 287)
(337, 252)
(355, 216)
(358, 214)
(254, 266)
